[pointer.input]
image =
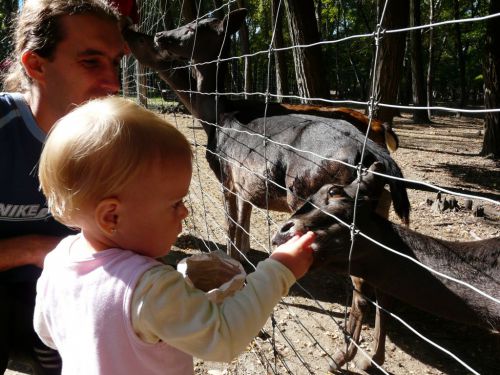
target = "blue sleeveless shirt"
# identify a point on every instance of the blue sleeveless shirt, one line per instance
(23, 208)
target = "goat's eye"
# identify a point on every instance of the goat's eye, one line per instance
(335, 191)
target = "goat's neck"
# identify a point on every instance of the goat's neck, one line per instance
(397, 237)
(406, 280)
(210, 82)
(210, 105)
(188, 89)
(426, 249)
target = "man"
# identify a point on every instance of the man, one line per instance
(66, 52)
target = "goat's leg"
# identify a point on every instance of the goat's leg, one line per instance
(232, 221)
(379, 334)
(242, 237)
(358, 310)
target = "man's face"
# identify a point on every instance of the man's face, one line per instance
(84, 64)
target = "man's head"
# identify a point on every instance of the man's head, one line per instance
(38, 28)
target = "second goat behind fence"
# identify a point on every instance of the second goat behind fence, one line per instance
(330, 212)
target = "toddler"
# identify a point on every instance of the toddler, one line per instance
(119, 174)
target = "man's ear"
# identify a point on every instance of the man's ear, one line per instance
(106, 215)
(34, 65)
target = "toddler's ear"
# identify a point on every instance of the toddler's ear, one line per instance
(106, 215)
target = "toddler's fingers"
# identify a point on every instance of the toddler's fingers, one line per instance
(306, 240)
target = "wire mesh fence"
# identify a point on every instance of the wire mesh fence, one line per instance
(308, 327)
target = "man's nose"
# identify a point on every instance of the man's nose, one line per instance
(111, 81)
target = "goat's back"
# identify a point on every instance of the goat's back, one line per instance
(305, 152)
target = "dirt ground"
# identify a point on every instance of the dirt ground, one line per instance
(306, 327)
(309, 321)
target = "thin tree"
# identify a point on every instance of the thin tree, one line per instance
(281, 67)
(417, 69)
(245, 50)
(309, 67)
(460, 55)
(430, 61)
(140, 71)
(491, 140)
(389, 61)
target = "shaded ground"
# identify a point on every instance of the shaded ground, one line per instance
(307, 324)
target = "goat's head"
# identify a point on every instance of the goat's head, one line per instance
(200, 40)
(145, 50)
(329, 213)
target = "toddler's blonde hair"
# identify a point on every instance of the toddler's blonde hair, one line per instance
(93, 151)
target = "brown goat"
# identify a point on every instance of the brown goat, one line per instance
(392, 275)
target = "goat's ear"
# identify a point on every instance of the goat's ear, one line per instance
(371, 185)
(234, 20)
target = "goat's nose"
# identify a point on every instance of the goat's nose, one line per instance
(284, 234)
(285, 228)
(157, 38)
(162, 37)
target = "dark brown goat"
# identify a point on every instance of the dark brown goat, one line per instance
(189, 42)
(476, 263)
(236, 151)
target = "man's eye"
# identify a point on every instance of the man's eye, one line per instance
(90, 63)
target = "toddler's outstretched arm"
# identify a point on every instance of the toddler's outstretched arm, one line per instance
(296, 254)
(166, 308)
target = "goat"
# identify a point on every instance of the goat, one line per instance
(189, 42)
(392, 275)
(240, 138)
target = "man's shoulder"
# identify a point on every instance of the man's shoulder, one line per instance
(7, 101)
(9, 107)
(16, 117)
(10, 116)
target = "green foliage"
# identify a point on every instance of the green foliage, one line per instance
(7, 11)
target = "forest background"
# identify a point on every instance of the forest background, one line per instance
(455, 65)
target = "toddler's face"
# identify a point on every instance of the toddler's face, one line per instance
(152, 208)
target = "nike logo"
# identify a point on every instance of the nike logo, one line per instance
(23, 212)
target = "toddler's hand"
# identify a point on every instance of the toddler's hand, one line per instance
(296, 254)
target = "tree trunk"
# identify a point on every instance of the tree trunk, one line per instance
(279, 56)
(390, 58)
(318, 6)
(140, 73)
(309, 67)
(361, 83)
(417, 69)
(462, 102)
(430, 62)
(189, 11)
(491, 140)
(245, 50)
